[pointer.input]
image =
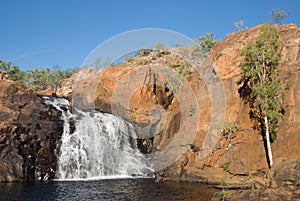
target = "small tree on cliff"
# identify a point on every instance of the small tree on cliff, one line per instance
(203, 45)
(207, 42)
(261, 87)
(278, 15)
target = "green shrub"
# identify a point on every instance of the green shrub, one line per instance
(228, 129)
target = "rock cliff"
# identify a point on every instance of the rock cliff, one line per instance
(236, 154)
(29, 134)
(247, 152)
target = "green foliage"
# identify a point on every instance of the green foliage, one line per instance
(176, 74)
(127, 57)
(224, 185)
(97, 63)
(207, 42)
(240, 26)
(177, 45)
(159, 46)
(249, 175)
(261, 86)
(225, 166)
(192, 110)
(141, 61)
(38, 78)
(107, 62)
(278, 15)
(228, 129)
(204, 45)
(5, 66)
(14, 72)
(143, 52)
(173, 82)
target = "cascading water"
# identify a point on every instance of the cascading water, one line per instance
(101, 145)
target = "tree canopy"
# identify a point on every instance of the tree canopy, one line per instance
(262, 88)
(278, 15)
(13, 72)
(38, 78)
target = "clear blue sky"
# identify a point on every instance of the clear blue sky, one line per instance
(45, 33)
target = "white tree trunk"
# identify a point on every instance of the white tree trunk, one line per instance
(270, 155)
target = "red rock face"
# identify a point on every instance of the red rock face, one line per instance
(244, 151)
(29, 132)
(228, 67)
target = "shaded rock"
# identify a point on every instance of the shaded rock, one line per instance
(29, 132)
(286, 174)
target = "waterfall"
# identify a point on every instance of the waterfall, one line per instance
(96, 145)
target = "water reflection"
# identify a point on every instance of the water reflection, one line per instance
(111, 189)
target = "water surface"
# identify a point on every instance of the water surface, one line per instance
(108, 189)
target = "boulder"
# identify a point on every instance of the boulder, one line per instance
(3, 75)
(285, 174)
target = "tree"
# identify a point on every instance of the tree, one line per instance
(13, 72)
(40, 79)
(107, 61)
(207, 42)
(261, 86)
(5, 66)
(278, 15)
(240, 26)
(159, 46)
(97, 63)
(203, 45)
(177, 45)
(35, 80)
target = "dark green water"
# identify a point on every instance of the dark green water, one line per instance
(108, 189)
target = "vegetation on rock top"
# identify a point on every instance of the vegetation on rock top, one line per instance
(37, 79)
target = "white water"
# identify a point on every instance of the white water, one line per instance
(101, 146)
